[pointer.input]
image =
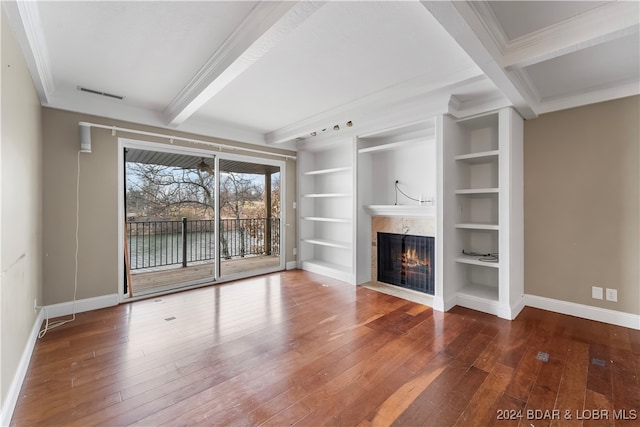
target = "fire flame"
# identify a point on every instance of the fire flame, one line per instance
(410, 259)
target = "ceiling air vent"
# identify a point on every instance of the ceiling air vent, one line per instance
(97, 92)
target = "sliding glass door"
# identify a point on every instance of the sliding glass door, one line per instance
(192, 218)
(249, 217)
(170, 220)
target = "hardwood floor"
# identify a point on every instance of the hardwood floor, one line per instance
(295, 348)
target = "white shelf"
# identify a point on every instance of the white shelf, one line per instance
(310, 264)
(482, 292)
(480, 157)
(326, 195)
(477, 226)
(400, 210)
(328, 171)
(473, 260)
(326, 219)
(478, 191)
(327, 242)
(391, 145)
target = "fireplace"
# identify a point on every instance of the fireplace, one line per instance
(407, 261)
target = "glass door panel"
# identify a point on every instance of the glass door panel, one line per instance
(170, 220)
(249, 217)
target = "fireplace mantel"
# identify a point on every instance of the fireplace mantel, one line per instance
(401, 210)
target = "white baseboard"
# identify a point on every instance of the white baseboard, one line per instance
(292, 265)
(13, 393)
(613, 317)
(510, 313)
(396, 291)
(80, 306)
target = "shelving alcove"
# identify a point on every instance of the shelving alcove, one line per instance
(325, 209)
(481, 217)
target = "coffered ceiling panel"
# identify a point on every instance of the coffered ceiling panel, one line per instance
(272, 72)
(145, 51)
(342, 53)
(519, 18)
(618, 62)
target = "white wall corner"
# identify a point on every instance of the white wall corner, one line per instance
(9, 403)
(598, 314)
(438, 304)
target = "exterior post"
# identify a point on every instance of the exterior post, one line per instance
(267, 202)
(184, 241)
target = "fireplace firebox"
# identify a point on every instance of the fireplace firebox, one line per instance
(407, 261)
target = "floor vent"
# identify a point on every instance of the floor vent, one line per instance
(542, 356)
(170, 318)
(598, 362)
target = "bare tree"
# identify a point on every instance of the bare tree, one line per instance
(167, 191)
(172, 192)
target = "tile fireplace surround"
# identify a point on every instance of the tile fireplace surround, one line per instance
(418, 226)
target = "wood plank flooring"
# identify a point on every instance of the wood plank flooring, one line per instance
(295, 348)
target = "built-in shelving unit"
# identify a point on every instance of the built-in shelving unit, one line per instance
(325, 204)
(482, 194)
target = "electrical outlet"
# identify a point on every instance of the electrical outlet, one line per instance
(295, 251)
(35, 304)
(612, 295)
(295, 205)
(596, 292)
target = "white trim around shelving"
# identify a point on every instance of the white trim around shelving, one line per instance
(328, 243)
(326, 219)
(326, 195)
(477, 226)
(473, 260)
(394, 145)
(477, 191)
(598, 314)
(327, 171)
(478, 157)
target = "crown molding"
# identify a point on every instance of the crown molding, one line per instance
(265, 27)
(594, 95)
(73, 100)
(466, 27)
(522, 78)
(397, 97)
(599, 25)
(25, 21)
(490, 22)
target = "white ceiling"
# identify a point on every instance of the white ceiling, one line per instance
(272, 72)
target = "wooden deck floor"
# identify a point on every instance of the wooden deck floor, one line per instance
(295, 348)
(151, 281)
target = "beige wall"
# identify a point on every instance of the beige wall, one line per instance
(98, 260)
(582, 192)
(21, 207)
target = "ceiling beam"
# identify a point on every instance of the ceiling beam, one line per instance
(24, 17)
(266, 26)
(403, 99)
(463, 24)
(601, 24)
